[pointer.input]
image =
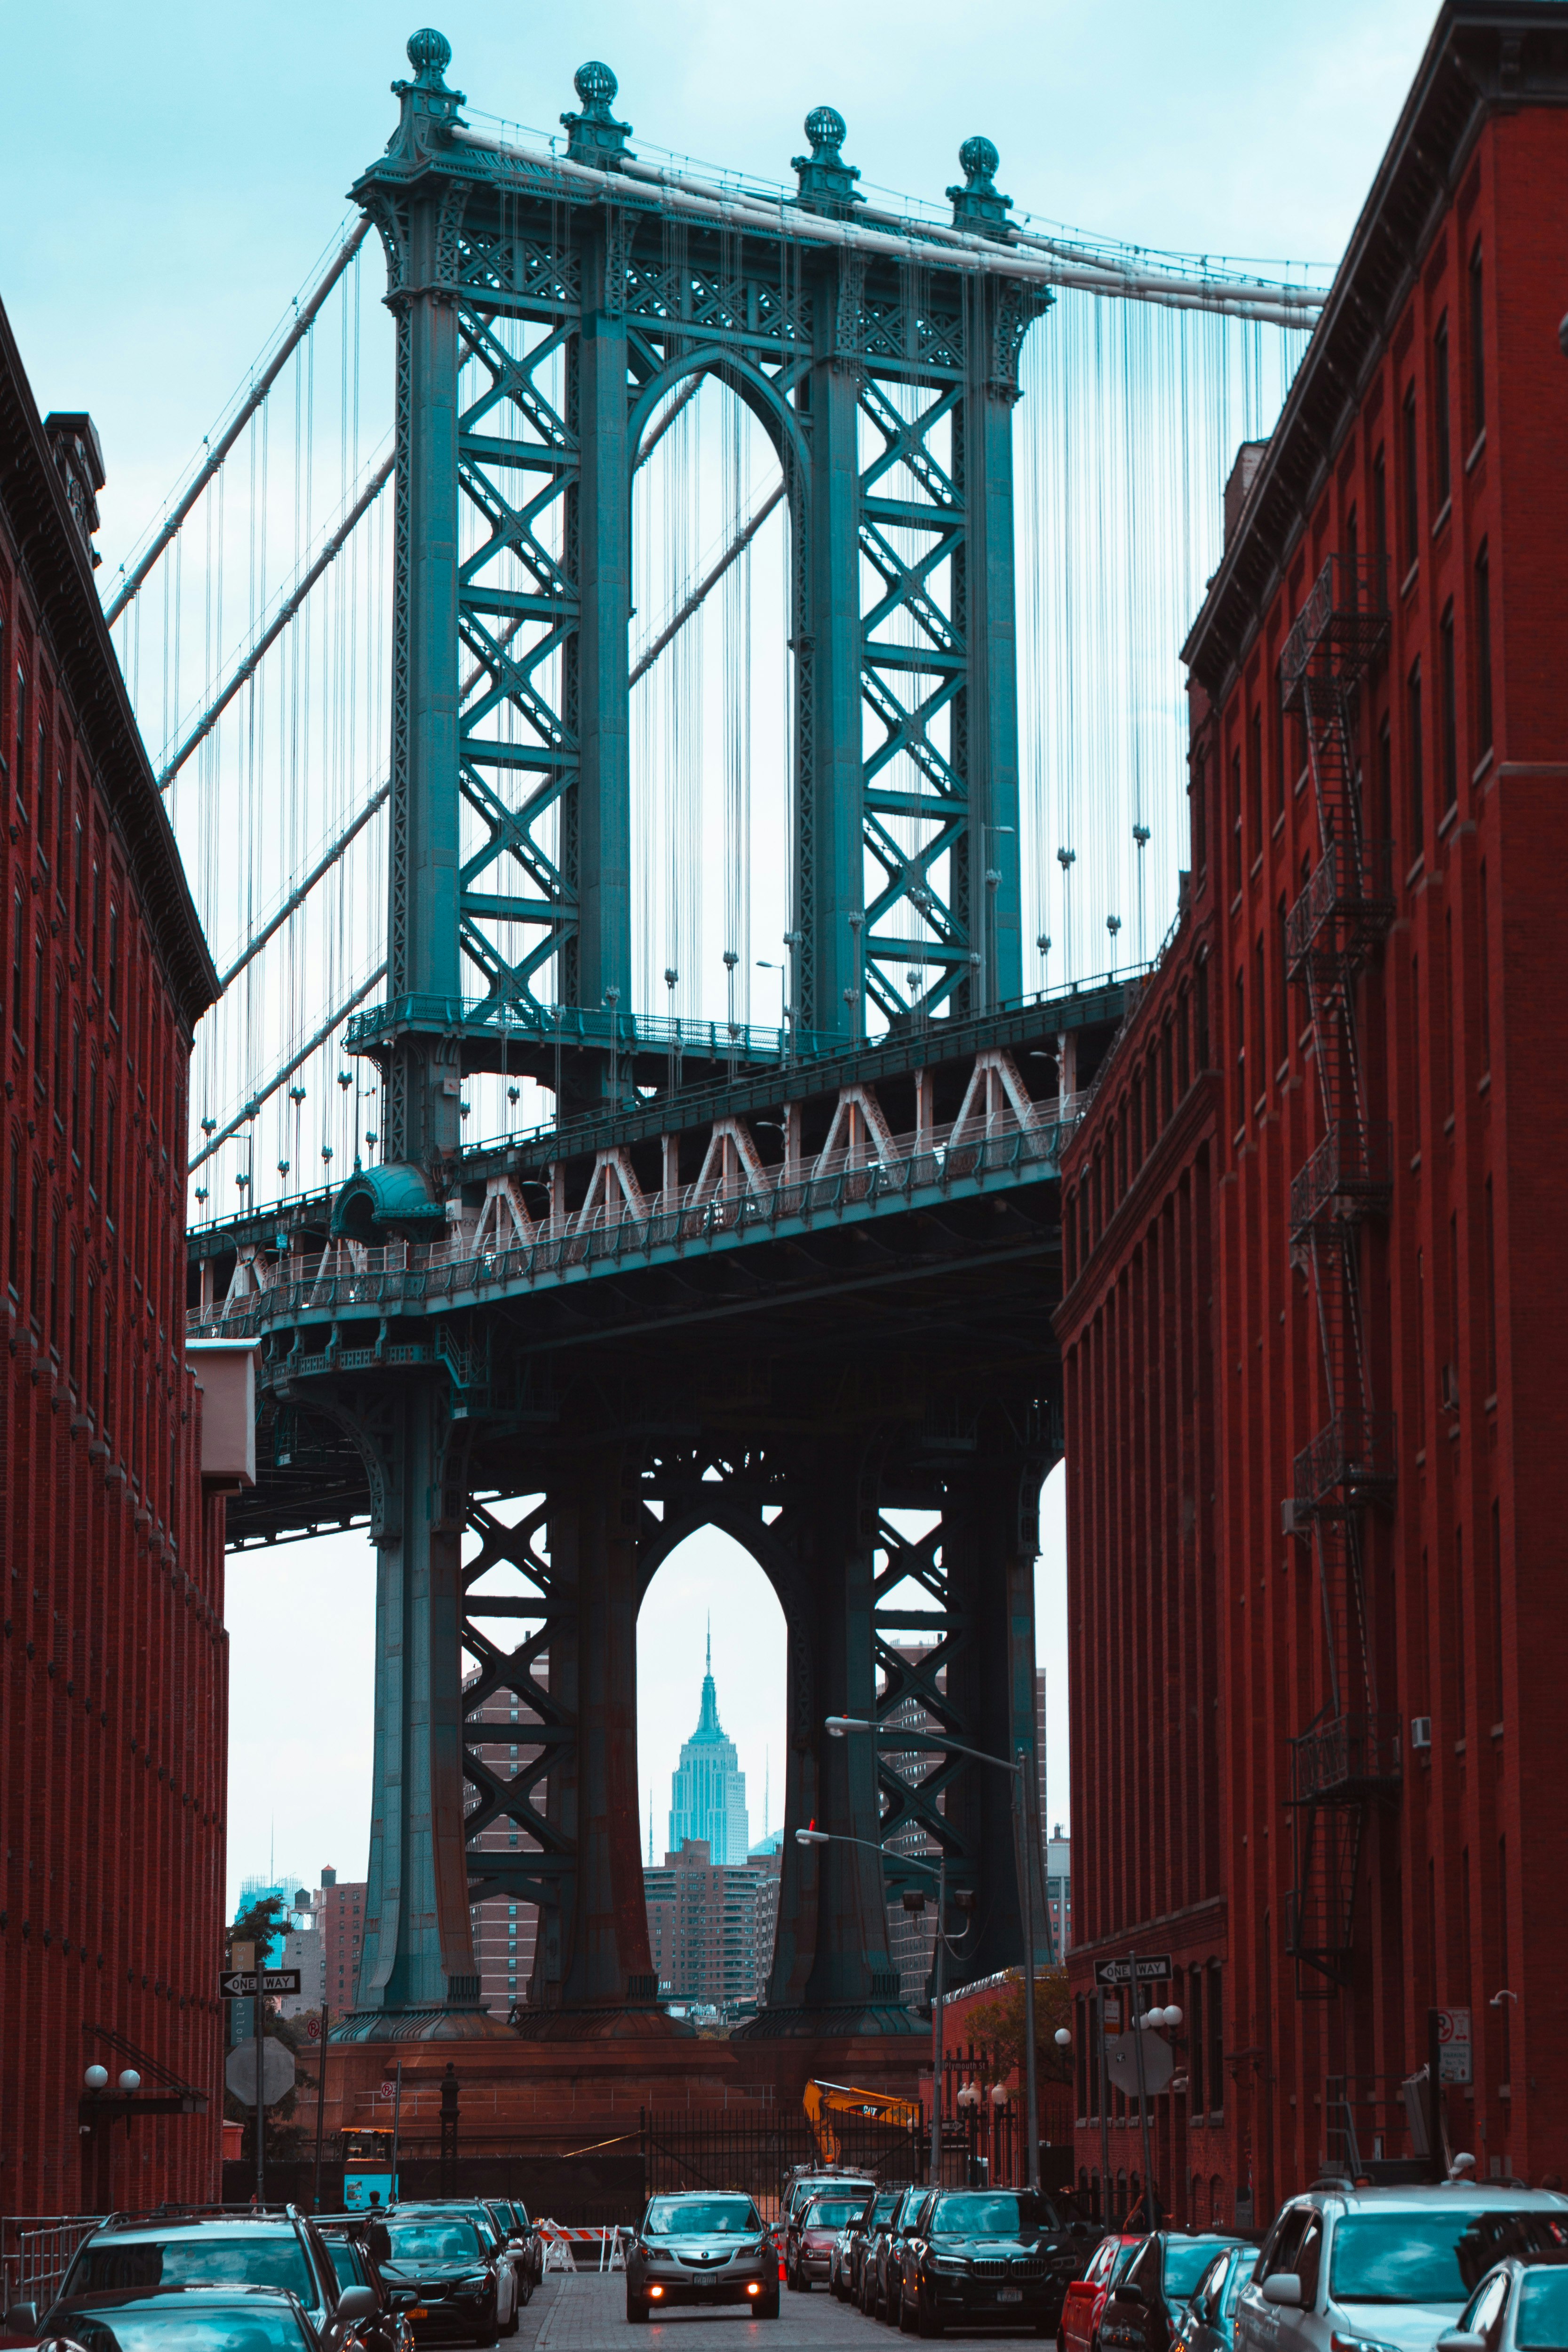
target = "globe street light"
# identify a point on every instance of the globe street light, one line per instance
(834, 1837)
(838, 1726)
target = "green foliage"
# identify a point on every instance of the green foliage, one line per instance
(258, 1925)
(1000, 2023)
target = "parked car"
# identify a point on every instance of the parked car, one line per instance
(1520, 2304)
(1078, 2330)
(449, 2276)
(884, 2262)
(1143, 2305)
(1343, 2267)
(281, 2249)
(985, 2254)
(850, 2248)
(695, 2247)
(813, 2180)
(812, 2228)
(524, 2234)
(167, 2319)
(386, 2329)
(1208, 2323)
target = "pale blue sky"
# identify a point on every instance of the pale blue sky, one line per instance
(168, 177)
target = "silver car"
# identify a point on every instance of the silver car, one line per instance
(1520, 2306)
(1382, 2270)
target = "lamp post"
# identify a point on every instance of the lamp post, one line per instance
(913, 1861)
(988, 924)
(1020, 1767)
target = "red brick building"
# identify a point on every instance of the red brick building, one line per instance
(112, 1650)
(1315, 1326)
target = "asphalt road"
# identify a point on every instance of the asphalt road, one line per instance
(588, 2315)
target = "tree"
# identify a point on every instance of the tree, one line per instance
(1001, 2022)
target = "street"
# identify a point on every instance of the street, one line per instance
(588, 2315)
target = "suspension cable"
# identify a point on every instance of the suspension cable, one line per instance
(302, 327)
(709, 581)
(216, 1142)
(301, 890)
(281, 621)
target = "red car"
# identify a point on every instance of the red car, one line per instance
(1085, 2300)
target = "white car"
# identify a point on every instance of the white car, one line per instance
(1518, 2307)
(1382, 2270)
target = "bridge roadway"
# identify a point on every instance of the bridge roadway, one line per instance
(850, 1210)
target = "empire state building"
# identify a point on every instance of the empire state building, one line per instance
(706, 1788)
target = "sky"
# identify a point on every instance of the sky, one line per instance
(168, 180)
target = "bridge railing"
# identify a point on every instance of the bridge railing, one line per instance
(407, 1273)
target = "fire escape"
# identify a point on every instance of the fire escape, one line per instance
(1347, 1757)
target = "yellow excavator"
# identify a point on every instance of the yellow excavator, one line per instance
(821, 2100)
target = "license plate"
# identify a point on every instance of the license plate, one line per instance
(1010, 2295)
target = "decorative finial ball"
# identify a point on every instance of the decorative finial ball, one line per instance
(825, 127)
(594, 83)
(978, 158)
(429, 50)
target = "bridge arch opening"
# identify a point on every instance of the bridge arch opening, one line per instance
(710, 1600)
(711, 703)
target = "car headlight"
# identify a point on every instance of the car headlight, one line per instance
(954, 2263)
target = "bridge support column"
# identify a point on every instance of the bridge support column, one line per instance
(417, 1975)
(833, 1973)
(990, 1538)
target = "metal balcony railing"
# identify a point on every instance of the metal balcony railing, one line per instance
(1344, 1757)
(1350, 1461)
(1347, 1178)
(1346, 906)
(1340, 628)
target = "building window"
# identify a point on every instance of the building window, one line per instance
(39, 1071)
(1236, 853)
(18, 934)
(1385, 782)
(1283, 999)
(1484, 968)
(1483, 623)
(1380, 516)
(1196, 2103)
(1414, 777)
(1442, 454)
(1450, 712)
(14, 1219)
(1255, 778)
(1411, 455)
(1478, 345)
(1216, 2023)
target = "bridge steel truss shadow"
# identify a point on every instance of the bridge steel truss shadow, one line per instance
(786, 1300)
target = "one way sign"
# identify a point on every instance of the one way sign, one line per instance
(239, 1984)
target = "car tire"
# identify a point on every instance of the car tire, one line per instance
(906, 2315)
(927, 2321)
(769, 2307)
(637, 2311)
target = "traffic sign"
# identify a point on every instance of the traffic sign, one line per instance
(276, 2073)
(1454, 2045)
(1150, 1972)
(239, 1984)
(389, 2090)
(1122, 2061)
(313, 2029)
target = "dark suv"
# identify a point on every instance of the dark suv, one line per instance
(986, 2255)
(1144, 2305)
(142, 2252)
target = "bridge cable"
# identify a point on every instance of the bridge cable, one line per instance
(709, 582)
(298, 895)
(303, 323)
(281, 621)
(216, 1142)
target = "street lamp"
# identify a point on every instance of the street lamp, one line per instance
(913, 1861)
(837, 1725)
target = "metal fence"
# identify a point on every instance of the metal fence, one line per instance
(35, 2253)
(727, 2148)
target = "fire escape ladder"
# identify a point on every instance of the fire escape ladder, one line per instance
(1347, 1757)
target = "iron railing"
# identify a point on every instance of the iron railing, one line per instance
(1350, 1461)
(1349, 895)
(1343, 626)
(36, 2253)
(1344, 1757)
(1348, 1176)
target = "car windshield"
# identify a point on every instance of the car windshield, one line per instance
(253, 2258)
(1405, 2257)
(708, 2217)
(1543, 2322)
(180, 2326)
(434, 2242)
(832, 2213)
(976, 2215)
(881, 2207)
(1185, 2263)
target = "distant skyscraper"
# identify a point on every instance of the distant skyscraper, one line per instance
(708, 1790)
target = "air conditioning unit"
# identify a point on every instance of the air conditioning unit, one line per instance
(1420, 1731)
